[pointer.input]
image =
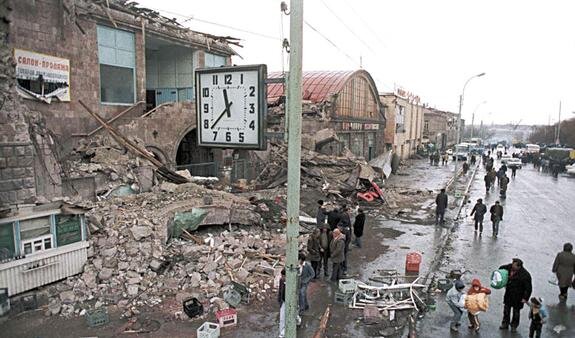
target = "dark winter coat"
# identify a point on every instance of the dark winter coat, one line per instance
(324, 240)
(441, 202)
(282, 290)
(359, 224)
(336, 249)
(313, 248)
(564, 267)
(321, 215)
(333, 219)
(496, 212)
(518, 286)
(479, 210)
(344, 220)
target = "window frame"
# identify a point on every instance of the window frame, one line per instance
(133, 68)
(32, 241)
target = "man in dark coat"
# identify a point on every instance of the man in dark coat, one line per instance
(337, 255)
(503, 183)
(564, 267)
(517, 292)
(479, 210)
(314, 251)
(496, 211)
(487, 180)
(465, 168)
(345, 227)
(324, 240)
(333, 218)
(321, 213)
(358, 227)
(440, 206)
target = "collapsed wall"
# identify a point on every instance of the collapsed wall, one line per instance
(29, 170)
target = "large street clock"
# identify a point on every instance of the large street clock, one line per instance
(231, 106)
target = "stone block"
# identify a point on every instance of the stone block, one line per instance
(8, 151)
(18, 172)
(6, 174)
(12, 162)
(20, 150)
(3, 163)
(24, 194)
(25, 161)
(28, 182)
(8, 197)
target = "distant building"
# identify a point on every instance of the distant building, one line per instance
(404, 123)
(341, 109)
(439, 127)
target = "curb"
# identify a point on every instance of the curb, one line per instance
(441, 248)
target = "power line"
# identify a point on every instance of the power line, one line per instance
(330, 42)
(191, 17)
(347, 27)
(365, 22)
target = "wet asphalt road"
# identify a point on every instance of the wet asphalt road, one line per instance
(538, 219)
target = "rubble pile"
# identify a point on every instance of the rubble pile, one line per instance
(116, 171)
(329, 173)
(131, 265)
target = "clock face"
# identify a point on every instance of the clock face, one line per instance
(231, 106)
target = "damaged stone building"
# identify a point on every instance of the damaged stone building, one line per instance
(439, 127)
(404, 127)
(341, 110)
(130, 65)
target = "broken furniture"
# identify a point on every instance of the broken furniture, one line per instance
(208, 330)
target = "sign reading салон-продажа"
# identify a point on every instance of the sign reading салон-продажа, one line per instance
(41, 76)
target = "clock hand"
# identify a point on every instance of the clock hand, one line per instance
(227, 103)
(222, 115)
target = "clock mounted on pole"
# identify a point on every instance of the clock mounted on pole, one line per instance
(231, 107)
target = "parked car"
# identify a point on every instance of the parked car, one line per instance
(449, 151)
(570, 169)
(514, 162)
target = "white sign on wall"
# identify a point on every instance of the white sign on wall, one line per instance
(42, 77)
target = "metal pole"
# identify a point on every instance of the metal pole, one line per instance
(458, 126)
(558, 140)
(294, 150)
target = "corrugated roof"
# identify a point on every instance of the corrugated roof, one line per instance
(317, 86)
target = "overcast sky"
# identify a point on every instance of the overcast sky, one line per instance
(527, 48)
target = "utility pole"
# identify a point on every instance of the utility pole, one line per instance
(294, 161)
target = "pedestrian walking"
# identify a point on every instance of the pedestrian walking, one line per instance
(496, 212)
(517, 292)
(337, 254)
(473, 159)
(537, 315)
(314, 251)
(475, 302)
(306, 274)
(324, 240)
(465, 168)
(444, 159)
(440, 206)
(487, 180)
(333, 218)
(358, 226)
(513, 171)
(431, 158)
(321, 213)
(282, 301)
(455, 300)
(479, 210)
(564, 267)
(503, 183)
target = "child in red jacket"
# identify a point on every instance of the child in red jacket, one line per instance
(476, 288)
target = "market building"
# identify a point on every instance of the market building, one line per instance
(404, 125)
(341, 110)
(130, 65)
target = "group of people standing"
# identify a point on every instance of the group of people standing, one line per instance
(329, 242)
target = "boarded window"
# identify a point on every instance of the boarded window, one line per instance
(117, 56)
(7, 249)
(68, 229)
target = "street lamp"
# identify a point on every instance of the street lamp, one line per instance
(473, 116)
(457, 141)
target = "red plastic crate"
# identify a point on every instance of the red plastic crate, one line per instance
(412, 262)
(227, 317)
